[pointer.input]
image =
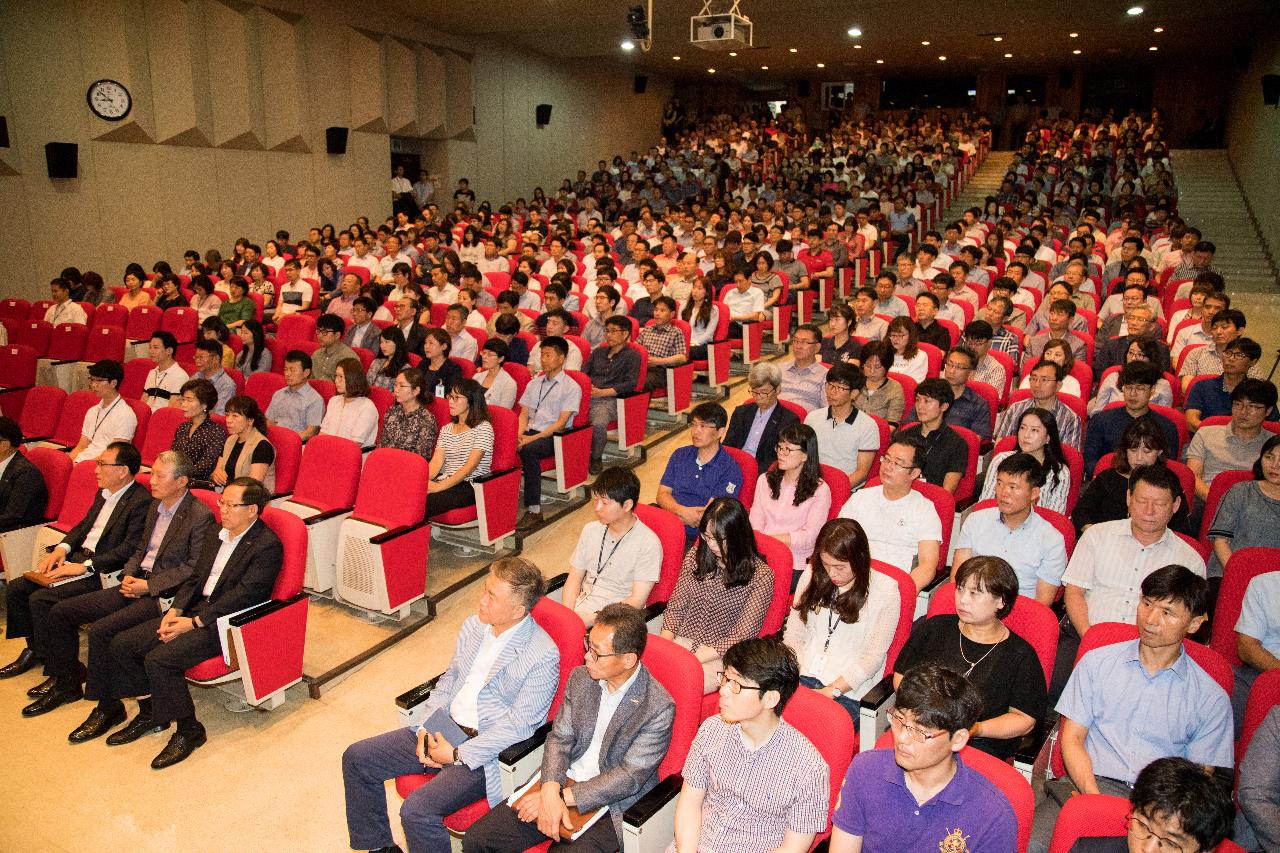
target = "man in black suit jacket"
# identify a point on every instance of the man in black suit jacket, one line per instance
(99, 545)
(764, 380)
(237, 569)
(175, 531)
(413, 333)
(23, 496)
(1140, 325)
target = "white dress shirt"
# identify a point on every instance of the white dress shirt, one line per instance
(225, 550)
(100, 523)
(588, 765)
(465, 706)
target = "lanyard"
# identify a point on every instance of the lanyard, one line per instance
(548, 385)
(833, 622)
(103, 416)
(601, 561)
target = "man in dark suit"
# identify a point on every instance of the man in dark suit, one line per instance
(755, 425)
(166, 554)
(614, 690)
(99, 545)
(237, 569)
(23, 496)
(413, 333)
(1140, 324)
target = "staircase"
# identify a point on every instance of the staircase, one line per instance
(985, 182)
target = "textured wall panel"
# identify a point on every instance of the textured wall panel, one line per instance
(233, 77)
(431, 84)
(118, 50)
(179, 82)
(368, 84)
(457, 92)
(280, 62)
(402, 88)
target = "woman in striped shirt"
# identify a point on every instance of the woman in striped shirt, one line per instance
(464, 450)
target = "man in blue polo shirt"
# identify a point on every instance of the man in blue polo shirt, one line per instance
(920, 795)
(1014, 532)
(1137, 382)
(1130, 703)
(1213, 396)
(701, 471)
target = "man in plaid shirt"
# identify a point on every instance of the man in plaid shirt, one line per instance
(664, 343)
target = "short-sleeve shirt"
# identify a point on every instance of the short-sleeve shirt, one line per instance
(694, 484)
(161, 386)
(610, 566)
(970, 813)
(1219, 449)
(105, 423)
(894, 529)
(740, 304)
(1246, 518)
(1110, 564)
(1133, 717)
(546, 398)
(945, 452)
(296, 408)
(803, 385)
(457, 449)
(1034, 549)
(1258, 613)
(840, 442)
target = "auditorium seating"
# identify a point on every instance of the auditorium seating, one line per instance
(323, 496)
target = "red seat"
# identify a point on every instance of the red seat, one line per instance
(875, 720)
(71, 422)
(13, 308)
(262, 386)
(838, 482)
(1093, 815)
(750, 342)
(715, 367)
(144, 321)
(323, 495)
(825, 725)
(519, 373)
(104, 342)
(1217, 489)
(40, 412)
(750, 473)
(498, 492)
(18, 544)
(573, 443)
(296, 328)
(325, 388)
(908, 391)
(160, 428)
(1263, 696)
(134, 383)
(1244, 565)
(288, 447)
(670, 532)
(34, 334)
(17, 377)
(631, 414)
(142, 412)
(67, 342)
(110, 314)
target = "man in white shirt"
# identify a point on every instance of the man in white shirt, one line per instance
(492, 261)
(111, 420)
(63, 310)
(847, 438)
(462, 344)
(441, 291)
(294, 295)
(556, 327)
(394, 255)
(362, 257)
(400, 186)
(745, 303)
(558, 250)
(901, 524)
(165, 380)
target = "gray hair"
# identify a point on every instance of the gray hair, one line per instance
(182, 466)
(764, 373)
(524, 578)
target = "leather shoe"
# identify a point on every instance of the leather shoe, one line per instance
(98, 723)
(58, 695)
(139, 726)
(595, 466)
(180, 746)
(22, 663)
(529, 521)
(42, 688)
(394, 848)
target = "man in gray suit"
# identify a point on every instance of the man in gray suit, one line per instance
(609, 737)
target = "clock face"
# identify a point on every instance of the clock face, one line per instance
(109, 100)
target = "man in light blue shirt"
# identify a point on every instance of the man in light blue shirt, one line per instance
(297, 406)
(550, 401)
(1014, 531)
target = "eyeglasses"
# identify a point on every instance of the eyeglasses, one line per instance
(763, 391)
(838, 386)
(735, 686)
(1235, 353)
(1248, 406)
(100, 464)
(805, 341)
(1140, 831)
(228, 505)
(595, 655)
(888, 460)
(957, 366)
(787, 449)
(918, 735)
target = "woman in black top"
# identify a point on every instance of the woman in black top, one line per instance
(439, 372)
(840, 345)
(975, 642)
(1106, 496)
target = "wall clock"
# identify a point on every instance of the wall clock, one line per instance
(109, 100)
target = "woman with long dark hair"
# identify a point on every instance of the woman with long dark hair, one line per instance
(392, 358)
(792, 500)
(1106, 497)
(702, 315)
(1037, 434)
(463, 452)
(254, 356)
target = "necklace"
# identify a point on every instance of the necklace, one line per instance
(973, 664)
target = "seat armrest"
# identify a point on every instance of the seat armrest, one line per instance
(654, 609)
(570, 430)
(493, 475)
(327, 514)
(623, 395)
(557, 582)
(417, 695)
(517, 751)
(873, 712)
(244, 617)
(653, 802)
(21, 525)
(395, 533)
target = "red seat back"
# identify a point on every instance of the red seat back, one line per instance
(111, 314)
(505, 427)
(1011, 783)
(329, 473)
(104, 342)
(135, 377)
(79, 493)
(1217, 489)
(262, 386)
(396, 507)
(41, 410)
(838, 482)
(159, 436)
(906, 610)
(34, 334)
(292, 532)
(72, 420)
(17, 366)
(676, 669)
(1093, 815)
(566, 630)
(288, 447)
(67, 341)
(296, 328)
(13, 308)
(142, 412)
(145, 320)
(55, 468)
(780, 559)
(1263, 696)
(908, 391)
(1244, 565)
(825, 725)
(670, 532)
(747, 463)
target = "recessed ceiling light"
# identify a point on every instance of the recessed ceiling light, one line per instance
(794, 50)
(628, 44)
(764, 68)
(822, 65)
(942, 59)
(731, 53)
(998, 38)
(854, 32)
(1134, 11)
(1158, 30)
(711, 71)
(1076, 51)
(1008, 56)
(1153, 47)
(857, 47)
(879, 62)
(1073, 35)
(676, 58)
(925, 43)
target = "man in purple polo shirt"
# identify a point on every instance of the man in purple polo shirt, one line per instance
(920, 795)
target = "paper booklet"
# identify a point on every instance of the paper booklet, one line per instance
(581, 822)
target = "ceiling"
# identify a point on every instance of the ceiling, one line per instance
(1036, 32)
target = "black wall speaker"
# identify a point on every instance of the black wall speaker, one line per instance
(802, 89)
(335, 140)
(642, 83)
(61, 159)
(1066, 78)
(1270, 90)
(4, 132)
(543, 117)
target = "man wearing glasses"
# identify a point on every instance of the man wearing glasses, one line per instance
(236, 569)
(609, 737)
(921, 795)
(111, 420)
(1236, 445)
(803, 379)
(757, 422)
(100, 544)
(1212, 397)
(752, 783)
(847, 438)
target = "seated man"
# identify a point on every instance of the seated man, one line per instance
(1046, 382)
(654, 286)
(462, 343)
(237, 569)
(930, 331)
(23, 494)
(111, 420)
(902, 527)
(1137, 381)
(550, 401)
(847, 439)
(99, 545)
(1257, 637)
(1214, 449)
(866, 324)
(996, 313)
(757, 421)
(605, 303)
(1013, 531)
(412, 333)
(1258, 791)
(1228, 327)
(164, 557)
(977, 339)
(700, 471)
(803, 377)
(887, 303)
(164, 381)
(613, 370)
(62, 309)
(921, 795)
(617, 558)
(948, 309)
(208, 361)
(506, 328)
(1140, 323)
(752, 783)
(946, 454)
(363, 333)
(589, 761)
(664, 342)
(1127, 704)
(557, 326)
(968, 409)
(1176, 804)
(332, 351)
(497, 690)
(297, 406)
(1212, 397)
(1058, 328)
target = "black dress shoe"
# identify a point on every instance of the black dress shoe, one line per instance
(42, 688)
(394, 848)
(180, 746)
(141, 725)
(98, 723)
(21, 664)
(58, 695)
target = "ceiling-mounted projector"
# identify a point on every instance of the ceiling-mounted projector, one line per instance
(726, 31)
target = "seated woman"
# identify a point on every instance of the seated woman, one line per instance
(908, 358)
(763, 277)
(350, 413)
(975, 642)
(467, 299)
(1249, 514)
(254, 356)
(237, 307)
(1108, 389)
(723, 591)
(1037, 434)
(246, 452)
(260, 283)
(213, 329)
(702, 315)
(391, 358)
(844, 616)
(170, 293)
(135, 278)
(883, 395)
(1106, 496)
(792, 500)
(199, 437)
(840, 345)
(1059, 351)
(499, 387)
(203, 298)
(438, 371)
(409, 424)
(464, 450)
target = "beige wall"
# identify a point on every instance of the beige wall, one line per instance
(230, 104)
(1253, 140)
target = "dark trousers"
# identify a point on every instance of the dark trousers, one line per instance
(698, 353)
(28, 604)
(850, 706)
(454, 497)
(367, 764)
(531, 456)
(1068, 645)
(140, 664)
(107, 613)
(655, 377)
(502, 831)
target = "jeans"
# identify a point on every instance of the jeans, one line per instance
(850, 705)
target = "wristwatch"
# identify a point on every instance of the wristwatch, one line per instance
(836, 692)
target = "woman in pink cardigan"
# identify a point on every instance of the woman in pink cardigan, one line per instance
(792, 501)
